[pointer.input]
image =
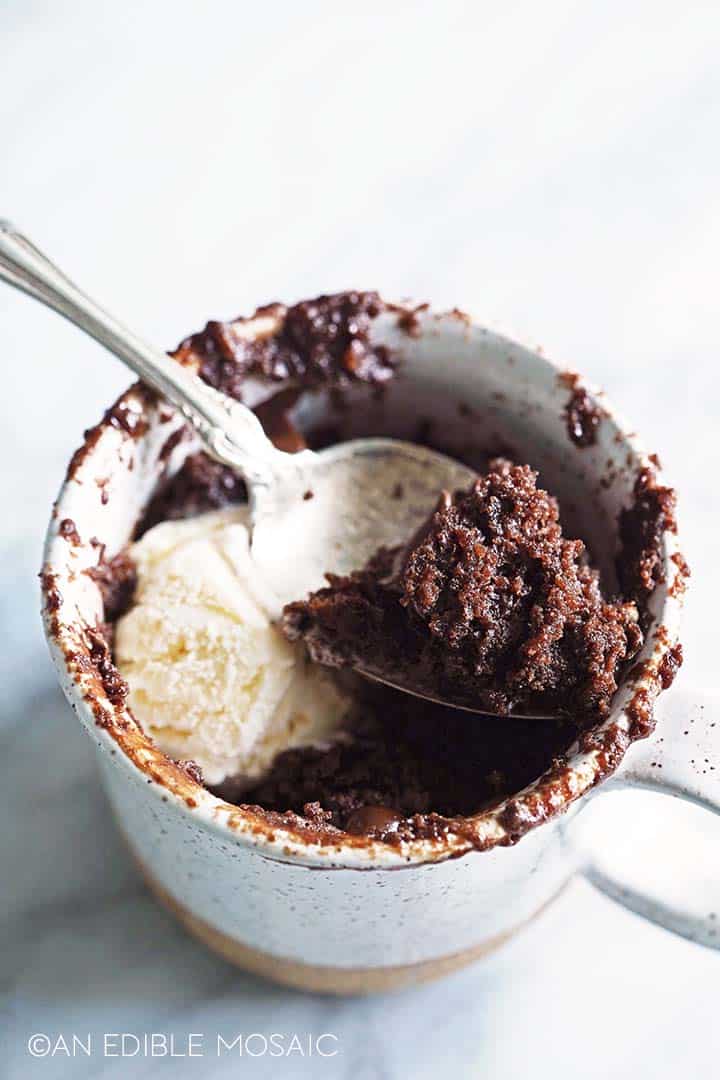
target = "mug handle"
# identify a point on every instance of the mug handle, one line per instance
(680, 759)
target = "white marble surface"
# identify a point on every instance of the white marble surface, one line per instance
(552, 168)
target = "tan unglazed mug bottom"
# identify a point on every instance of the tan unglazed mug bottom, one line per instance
(316, 978)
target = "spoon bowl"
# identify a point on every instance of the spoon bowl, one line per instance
(330, 511)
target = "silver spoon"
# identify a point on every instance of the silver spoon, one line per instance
(310, 512)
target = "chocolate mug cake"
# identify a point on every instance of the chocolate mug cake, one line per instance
(342, 780)
(252, 784)
(491, 595)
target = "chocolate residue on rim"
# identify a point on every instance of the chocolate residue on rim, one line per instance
(640, 711)
(116, 578)
(192, 770)
(670, 665)
(321, 342)
(123, 417)
(682, 576)
(101, 663)
(68, 530)
(408, 318)
(582, 412)
(52, 594)
(641, 527)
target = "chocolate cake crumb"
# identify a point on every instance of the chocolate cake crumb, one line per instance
(488, 598)
(682, 576)
(53, 596)
(69, 532)
(640, 713)
(670, 665)
(408, 318)
(582, 412)
(192, 769)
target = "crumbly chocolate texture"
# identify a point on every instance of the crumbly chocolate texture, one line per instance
(489, 598)
(406, 771)
(319, 342)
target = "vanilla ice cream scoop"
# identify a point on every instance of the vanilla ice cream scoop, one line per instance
(211, 678)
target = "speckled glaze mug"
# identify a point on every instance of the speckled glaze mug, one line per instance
(357, 915)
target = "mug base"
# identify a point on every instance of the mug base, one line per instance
(320, 979)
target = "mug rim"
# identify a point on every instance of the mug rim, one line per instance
(595, 756)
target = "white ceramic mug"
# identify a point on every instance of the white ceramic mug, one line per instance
(359, 915)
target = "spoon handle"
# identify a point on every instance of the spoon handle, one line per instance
(231, 433)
